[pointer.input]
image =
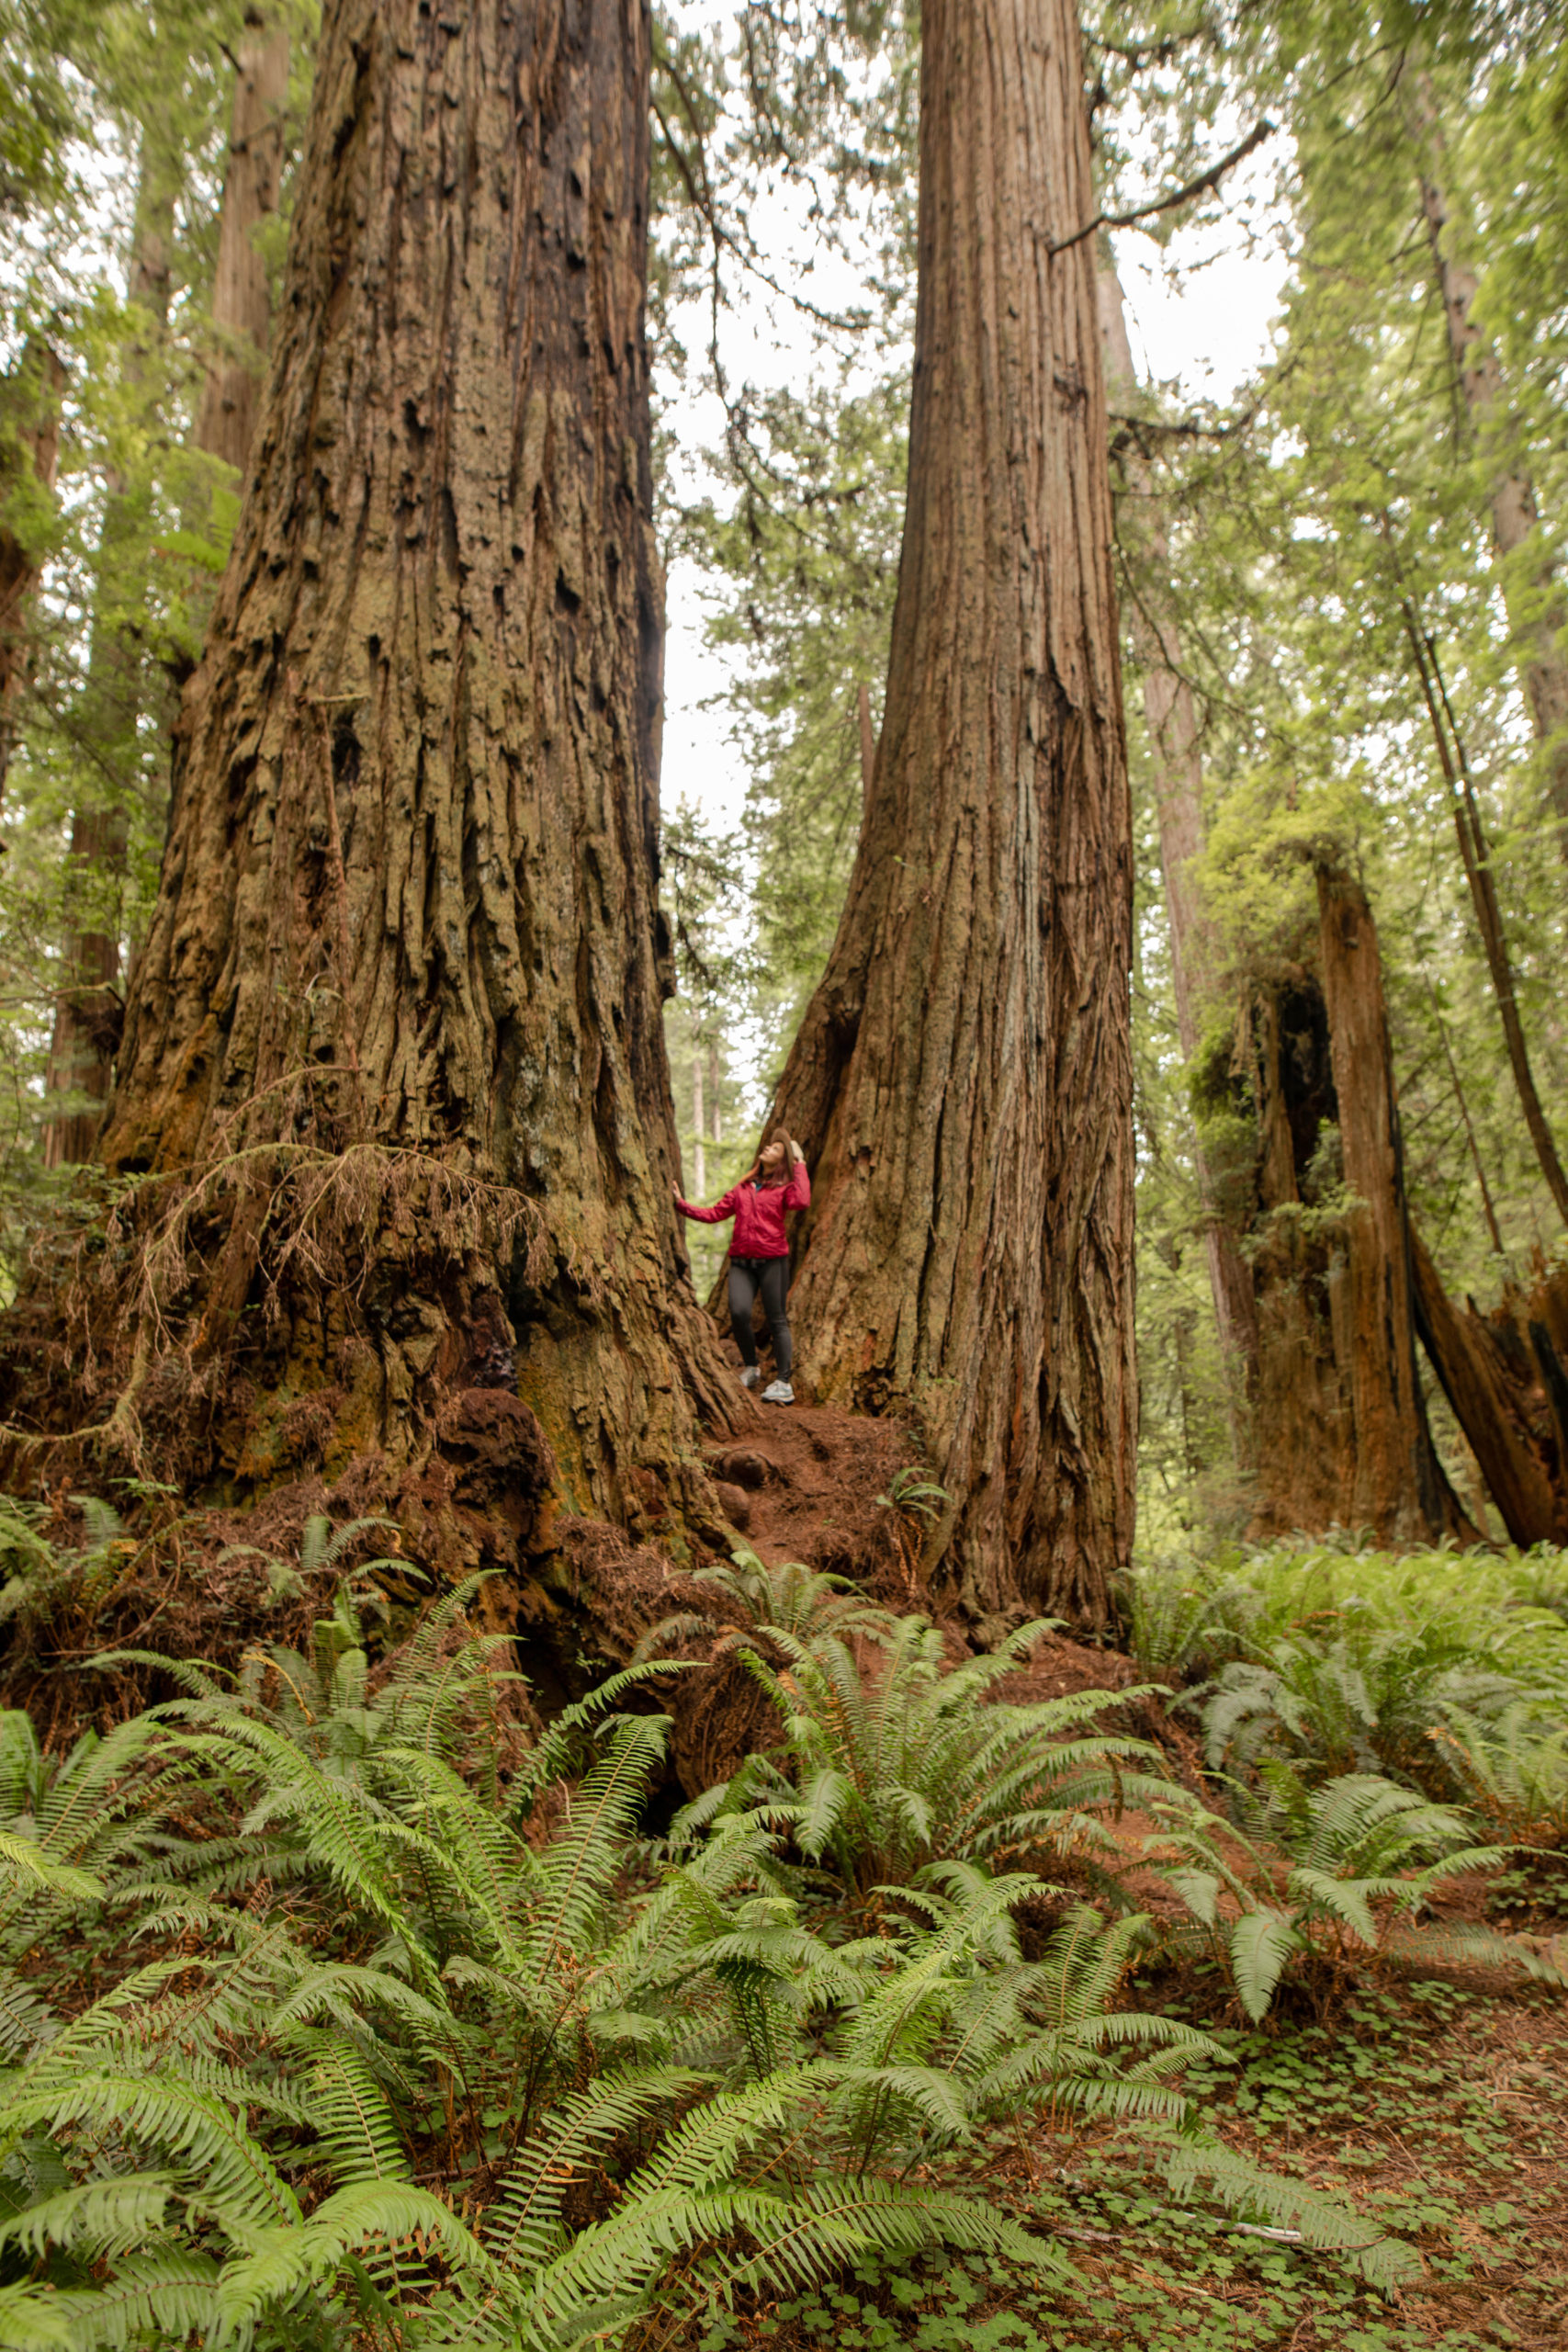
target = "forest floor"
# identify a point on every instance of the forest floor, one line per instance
(1440, 2107)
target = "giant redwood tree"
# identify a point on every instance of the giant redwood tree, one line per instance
(962, 1081)
(392, 1107)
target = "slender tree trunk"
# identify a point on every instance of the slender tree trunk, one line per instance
(30, 448)
(88, 1011)
(962, 1080)
(1531, 593)
(699, 1156)
(1476, 857)
(867, 745)
(393, 1045)
(1177, 772)
(1398, 1487)
(241, 320)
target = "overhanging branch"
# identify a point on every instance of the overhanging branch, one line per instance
(1200, 187)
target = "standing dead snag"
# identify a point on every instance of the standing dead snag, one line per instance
(1396, 1485)
(962, 1078)
(393, 1071)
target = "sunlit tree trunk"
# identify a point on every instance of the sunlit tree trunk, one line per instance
(962, 1081)
(1177, 772)
(393, 1048)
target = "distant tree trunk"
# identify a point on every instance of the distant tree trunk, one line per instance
(29, 424)
(1533, 599)
(1176, 761)
(240, 320)
(1397, 1486)
(962, 1080)
(88, 1011)
(393, 1044)
(699, 1153)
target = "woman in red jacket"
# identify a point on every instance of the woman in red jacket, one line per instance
(759, 1254)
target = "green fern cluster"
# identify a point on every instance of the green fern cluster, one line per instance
(895, 1759)
(382, 2047)
(1326, 1878)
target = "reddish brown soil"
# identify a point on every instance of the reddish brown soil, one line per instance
(806, 1487)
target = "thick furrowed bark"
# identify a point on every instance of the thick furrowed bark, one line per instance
(962, 1081)
(406, 915)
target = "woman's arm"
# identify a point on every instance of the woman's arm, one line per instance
(716, 1215)
(797, 1192)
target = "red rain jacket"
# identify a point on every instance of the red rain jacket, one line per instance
(758, 1212)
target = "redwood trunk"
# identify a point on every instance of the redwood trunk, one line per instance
(240, 306)
(1531, 594)
(393, 1042)
(1177, 775)
(30, 420)
(1305, 1446)
(1397, 1486)
(962, 1080)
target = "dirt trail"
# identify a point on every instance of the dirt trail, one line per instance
(806, 1485)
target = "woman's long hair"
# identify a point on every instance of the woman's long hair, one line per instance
(792, 1159)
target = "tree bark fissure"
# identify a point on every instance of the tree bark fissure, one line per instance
(962, 1080)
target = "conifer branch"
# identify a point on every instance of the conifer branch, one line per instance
(1200, 187)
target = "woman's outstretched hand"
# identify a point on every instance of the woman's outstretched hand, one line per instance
(675, 1188)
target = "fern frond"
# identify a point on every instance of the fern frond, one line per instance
(111, 2217)
(1239, 2184)
(366, 2213)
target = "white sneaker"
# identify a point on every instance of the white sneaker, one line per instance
(750, 1375)
(778, 1392)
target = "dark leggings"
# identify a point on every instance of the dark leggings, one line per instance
(770, 1276)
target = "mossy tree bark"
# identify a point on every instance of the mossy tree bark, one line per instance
(392, 1066)
(30, 449)
(1342, 1435)
(962, 1080)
